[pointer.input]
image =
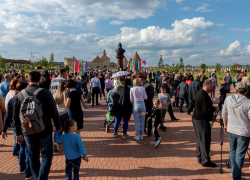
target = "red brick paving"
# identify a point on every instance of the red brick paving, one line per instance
(116, 158)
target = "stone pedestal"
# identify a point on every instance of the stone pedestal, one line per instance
(120, 61)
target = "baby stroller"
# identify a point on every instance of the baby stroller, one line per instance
(109, 118)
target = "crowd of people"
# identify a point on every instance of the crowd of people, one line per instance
(29, 102)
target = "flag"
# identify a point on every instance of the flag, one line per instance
(128, 65)
(81, 68)
(134, 66)
(139, 66)
(85, 67)
(144, 62)
(78, 67)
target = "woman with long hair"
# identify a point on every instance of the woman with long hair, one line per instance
(62, 110)
(72, 99)
(137, 97)
(11, 92)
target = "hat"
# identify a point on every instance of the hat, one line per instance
(142, 77)
(127, 82)
(241, 86)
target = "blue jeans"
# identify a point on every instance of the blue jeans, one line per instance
(138, 108)
(176, 103)
(238, 148)
(24, 160)
(117, 123)
(70, 164)
(16, 147)
(35, 143)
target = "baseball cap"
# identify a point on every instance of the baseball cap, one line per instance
(241, 86)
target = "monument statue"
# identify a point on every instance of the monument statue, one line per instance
(120, 56)
(120, 51)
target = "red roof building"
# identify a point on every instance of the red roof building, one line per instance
(97, 59)
(166, 65)
(188, 65)
(104, 56)
(124, 59)
(238, 65)
(136, 57)
(20, 61)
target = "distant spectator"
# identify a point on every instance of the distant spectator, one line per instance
(4, 86)
(55, 82)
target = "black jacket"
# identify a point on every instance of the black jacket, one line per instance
(176, 84)
(150, 93)
(122, 106)
(203, 108)
(48, 106)
(193, 88)
(183, 90)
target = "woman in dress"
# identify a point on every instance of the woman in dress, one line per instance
(72, 100)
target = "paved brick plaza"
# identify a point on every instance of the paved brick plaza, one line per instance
(116, 158)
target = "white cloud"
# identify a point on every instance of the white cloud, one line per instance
(235, 49)
(179, 1)
(240, 30)
(204, 8)
(185, 8)
(116, 22)
(185, 33)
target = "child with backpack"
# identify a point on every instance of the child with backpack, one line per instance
(165, 102)
(73, 149)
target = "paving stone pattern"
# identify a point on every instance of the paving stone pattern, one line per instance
(117, 158)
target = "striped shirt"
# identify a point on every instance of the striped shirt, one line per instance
(55, 82)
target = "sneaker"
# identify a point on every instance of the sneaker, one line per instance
(55, 147)
(107, 128)
(115, 135)
(159, 138)
(21, 172)
(141, 137)
(209, 164)
(137, 138)
(157, 143)
(125, 136)
(30, 177)
(214, 99)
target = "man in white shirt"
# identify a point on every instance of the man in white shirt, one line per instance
(95, 85)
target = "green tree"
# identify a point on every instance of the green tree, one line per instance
(11, 64)
(181, 65)
(160, 63)
(218, 67)
(51, 61)
(67, 68)
(247, 68)
(2, 62)
(203, 66)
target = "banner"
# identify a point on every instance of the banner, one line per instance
(81, 68)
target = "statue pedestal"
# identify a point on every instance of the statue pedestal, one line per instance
(120, 61)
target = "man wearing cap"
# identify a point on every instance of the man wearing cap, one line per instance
(236, 116)
(149, 102)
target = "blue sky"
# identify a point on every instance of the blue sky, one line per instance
(199, 31)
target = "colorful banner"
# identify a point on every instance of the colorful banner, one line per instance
(81, 68)
(139, 66)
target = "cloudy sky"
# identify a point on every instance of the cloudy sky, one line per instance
(199, 31)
